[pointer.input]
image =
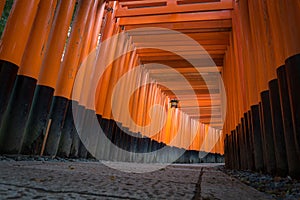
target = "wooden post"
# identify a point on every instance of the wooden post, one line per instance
(256, 137)
(22, 94)
(12, 47)
(278, 131)
(68, 131)
(291, 151)
(66, 77)
(38, 115)
(268, 145)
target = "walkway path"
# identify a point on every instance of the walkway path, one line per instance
(93, 180)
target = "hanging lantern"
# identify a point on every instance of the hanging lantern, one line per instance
(174, 103)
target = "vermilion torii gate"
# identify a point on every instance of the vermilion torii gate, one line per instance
(254, 45)
(37, 113)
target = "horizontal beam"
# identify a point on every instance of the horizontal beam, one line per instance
(183, 63)
(161, 8)
(192, 83)
(184, 31)
(185, 70)
(200, 91)
(141, 2)
(187, 104)
(185, 53)
(201, 16)
(222, 36)
(197, 76)
(162, 44)
(192, 88)
(197, 58)
(180, 48)
(201, 96)
(221, 24)
(192, 104)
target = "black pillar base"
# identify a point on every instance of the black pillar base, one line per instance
(8, 73)
(57, 116)
(248, 140)
(67, 134)
(16, 114)
(278, 132)
(292, 156)
(268, 142)
(82, 151)
(293, 80)
(74, 152)
(256, 138)
(227, 152)
(242, 145)
(37, 120)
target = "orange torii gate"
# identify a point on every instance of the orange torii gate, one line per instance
(262, 130)
(254, 45)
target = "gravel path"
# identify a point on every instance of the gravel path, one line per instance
(280, 188)
(93, 180)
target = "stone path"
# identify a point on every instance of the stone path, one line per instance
(93, 180)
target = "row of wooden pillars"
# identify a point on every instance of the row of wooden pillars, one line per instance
(40, 107)
(261, 73)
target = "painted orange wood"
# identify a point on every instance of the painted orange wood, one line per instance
(200, 16)
(98, 24)
(114, 75)
(293, 30)
(195, 25)
(36, 45)
(259, 52)
(128, 65)
(276, 19)
(248, 54)
(69, 65)
(56, 43)
(171, 8)
(118, 98)
(92, 52)
(82, 91)
(239, 61)
(20, 20)
(106, 50)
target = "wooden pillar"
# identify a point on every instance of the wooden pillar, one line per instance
(38, 116)
(245, 143)
(242, 145)
(293, 80)
(236, 149)
(270, 43)
(227, 152)
(248, 131)
(291, 39)
(22, 94)
(83, 116)
(292, 156)
(231, 147)
(66, 77)
(278, 131)
(12, 46)
(279, 25)
(69, 130)
(256, 138)
(116, 72)
(268, 145)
